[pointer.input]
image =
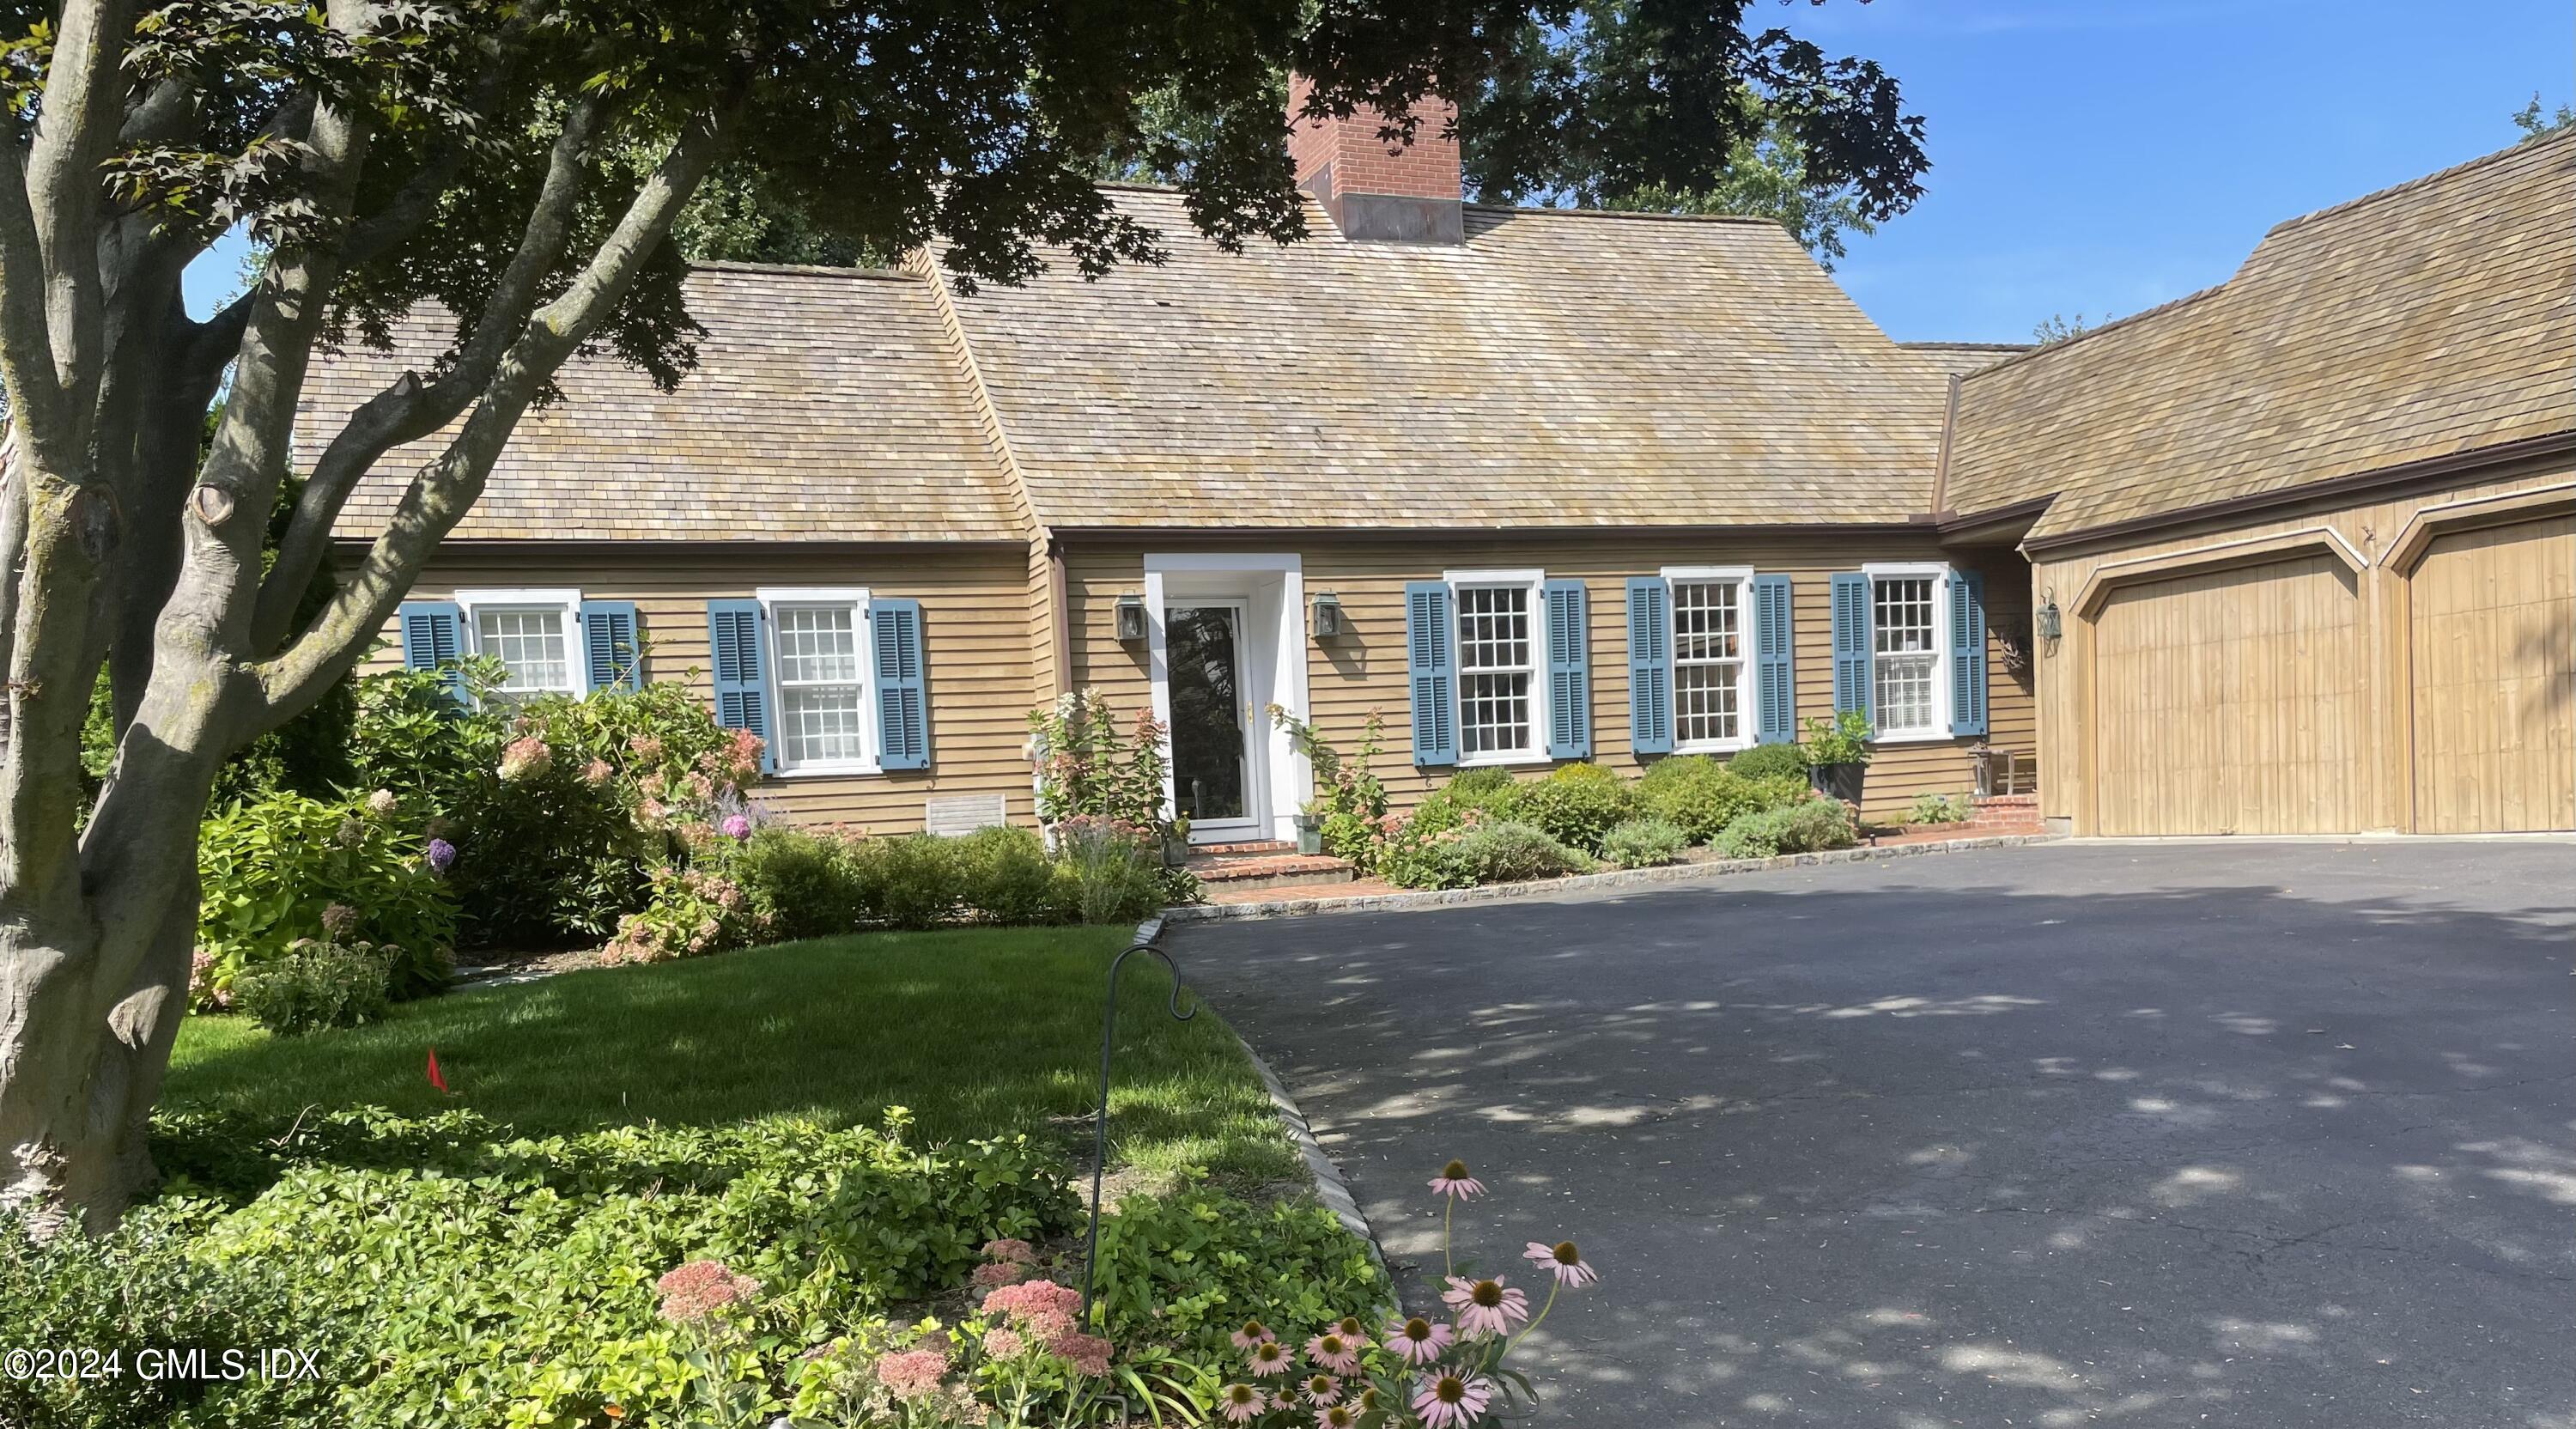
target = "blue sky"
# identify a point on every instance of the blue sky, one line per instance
(2103, 156)
(2108, 155)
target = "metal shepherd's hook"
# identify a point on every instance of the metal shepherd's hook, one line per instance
(1100, 1133)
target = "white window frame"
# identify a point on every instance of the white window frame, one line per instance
(1535, 582)
(1747, 719)
(1941, 575)
(471, 603)
(870, 739)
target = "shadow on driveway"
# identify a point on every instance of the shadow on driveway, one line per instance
(2252, 1135)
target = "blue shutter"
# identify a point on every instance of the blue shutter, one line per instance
(1430, 665)
(903, 689)
(1851, 643)
(1967, 653)
(1650, 665)
(1775, 676)
(740, 655)
(433, 638)
(609, 647)
(1569, 671)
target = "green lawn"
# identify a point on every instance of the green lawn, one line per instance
(980, 1032)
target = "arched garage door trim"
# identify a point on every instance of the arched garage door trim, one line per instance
(2416, 537)
(2256, 551)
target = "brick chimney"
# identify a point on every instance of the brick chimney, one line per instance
(1408, 194)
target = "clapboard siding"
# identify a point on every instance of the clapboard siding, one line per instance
(1351, 675)
(976, 624)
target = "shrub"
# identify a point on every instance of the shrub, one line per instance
(272, 872)
(1088, 766)
(1643, 843)
(801, 880)
(1191, 1267)
(691, 911)
(313, 986)
(494, 1280)
(141, 1287)
(1577, 804)
(1940, 809)
(1511, 853)
(908, 881)
(1768, 761)
(1491, 793)
(1801, 828)
(1005, 875)
(1701, 796)
(1350, 801)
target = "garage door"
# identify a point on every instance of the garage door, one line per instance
(2230, 702)
(2495, 680)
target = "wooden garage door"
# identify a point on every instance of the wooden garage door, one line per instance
(2231, 702)
(2495, 680)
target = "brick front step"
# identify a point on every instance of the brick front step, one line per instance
(1255, 846)
(1269, 870)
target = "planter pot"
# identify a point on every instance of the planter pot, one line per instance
(1310, 835)
(1838, 781)
(1176, 850)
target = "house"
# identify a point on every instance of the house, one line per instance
(1534, 486)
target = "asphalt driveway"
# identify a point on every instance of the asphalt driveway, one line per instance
(2261, 1135)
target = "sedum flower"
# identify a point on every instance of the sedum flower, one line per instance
(1563, 1261)
(701, 1289)
(1454, 1182)
(1003, 1343)
(1485, 1307)
(1453, 1399)
(912, 1374)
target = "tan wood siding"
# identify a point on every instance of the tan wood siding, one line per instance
(2494, 674)
(1351, 675)
(2383, 771)
(2231, 703)
(975, 629)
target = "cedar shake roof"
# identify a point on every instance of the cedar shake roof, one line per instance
(2428, 319)
(1554, 369)
(827, 404)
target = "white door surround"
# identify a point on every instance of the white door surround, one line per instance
(1270, 588)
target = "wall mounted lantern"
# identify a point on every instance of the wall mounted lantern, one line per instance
(1131, 617)
(2045, 619)
(1329, 618)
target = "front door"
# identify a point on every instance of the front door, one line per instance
(1213, 771)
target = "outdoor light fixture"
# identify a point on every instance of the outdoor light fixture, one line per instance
(1329, 619)
(2045, 619)
(1131, 617)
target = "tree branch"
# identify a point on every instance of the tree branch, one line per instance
(446, 488)
(76, 126)
(409, 409)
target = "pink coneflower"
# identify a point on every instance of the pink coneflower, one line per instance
(1338, 1416)
(1350, 1328)
(913, 1374)
(1563, 1261)
(1485, 1307)
(1418, 1341)
(1253, 1333)
(1268, 1358)
(1333, 1352)
(1241, 1402)
(1452, 1400)
(1320, 1389)
(1454, 1182)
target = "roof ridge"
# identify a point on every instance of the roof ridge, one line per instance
(2038, 349)
(2516, 149)
(1551, 211)
(808, 270)
(1973, 346)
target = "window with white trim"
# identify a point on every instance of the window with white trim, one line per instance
(535, 635)
(1905, 655)
(1712, 690)
(819, 671)
(1500, 708)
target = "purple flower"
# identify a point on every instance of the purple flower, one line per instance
(737, 827)
(442, 856)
